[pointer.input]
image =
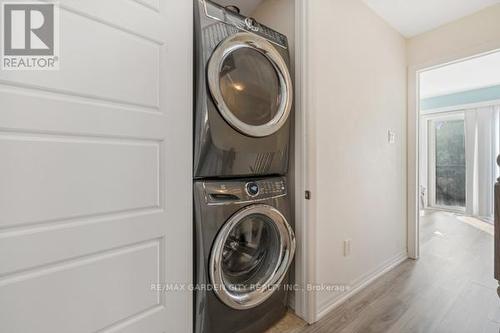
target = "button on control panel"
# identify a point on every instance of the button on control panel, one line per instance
(252, 189)
(251, 24)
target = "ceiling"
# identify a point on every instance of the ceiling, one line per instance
(466, 75)
(246, 6)
(413, 17)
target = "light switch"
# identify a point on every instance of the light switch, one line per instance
(391, 137)
(347, 247)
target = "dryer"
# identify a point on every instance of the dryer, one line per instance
(244, 246)
(243, 95)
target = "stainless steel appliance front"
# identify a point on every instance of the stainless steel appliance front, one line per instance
(244, 96)
(245, 245)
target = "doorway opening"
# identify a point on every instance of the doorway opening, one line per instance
(459, 137)
(457, 143)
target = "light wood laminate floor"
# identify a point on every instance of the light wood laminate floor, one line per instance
(450, 289)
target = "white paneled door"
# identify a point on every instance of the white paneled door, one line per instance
(95, 175)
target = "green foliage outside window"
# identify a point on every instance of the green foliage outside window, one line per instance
(450, 163)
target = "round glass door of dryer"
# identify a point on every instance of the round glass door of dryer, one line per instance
(251, 256)
(250, 84)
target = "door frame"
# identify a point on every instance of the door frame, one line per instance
(413, 130)
(305, 223)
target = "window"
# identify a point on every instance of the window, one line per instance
(445, 176)
(458, 154)
(449, 165)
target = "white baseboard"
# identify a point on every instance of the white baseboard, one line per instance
(360, 285)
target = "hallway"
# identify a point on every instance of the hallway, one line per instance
(450, 289)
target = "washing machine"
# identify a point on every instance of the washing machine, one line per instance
(243, 95)
(244, 245)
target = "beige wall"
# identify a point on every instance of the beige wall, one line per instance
(357, 92)
(479, 32)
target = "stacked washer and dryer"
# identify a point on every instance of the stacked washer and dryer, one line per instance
(244, 240)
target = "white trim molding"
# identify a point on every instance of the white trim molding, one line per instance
(305, 229)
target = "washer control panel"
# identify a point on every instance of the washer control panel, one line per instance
(241, 22)
(273, 188)
(220, 192)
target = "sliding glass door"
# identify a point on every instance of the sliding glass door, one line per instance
(447, 162)
(457, 160)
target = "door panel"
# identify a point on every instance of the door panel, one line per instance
(114, 53)
(113, 281)
(109, 168)
(95, 174)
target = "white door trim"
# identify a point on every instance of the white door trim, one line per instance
(305, 228)
(179, 163)
(414, 71)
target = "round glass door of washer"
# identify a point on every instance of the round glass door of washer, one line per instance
(251, 85)
(251, 256)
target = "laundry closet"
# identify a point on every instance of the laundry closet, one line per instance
(243, 170)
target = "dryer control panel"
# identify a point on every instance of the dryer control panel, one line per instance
(221, 192)
(247, 24)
